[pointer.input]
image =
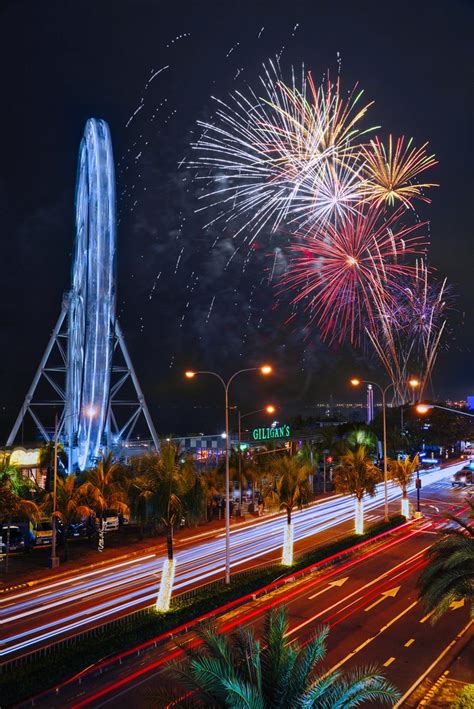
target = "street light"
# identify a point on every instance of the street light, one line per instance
(91, 412)
(270, 409)
(414, 384)
(424, 408)
(355, 382)
(411, 382)
(190, 374)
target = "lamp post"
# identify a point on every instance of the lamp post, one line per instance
(270, 410)
(424, 408)
(190, 374)
(414, 384)
(91, 412)
(54, 559)
(383, 391)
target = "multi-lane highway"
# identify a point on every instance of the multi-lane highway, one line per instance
(369, 600)
(54, 610)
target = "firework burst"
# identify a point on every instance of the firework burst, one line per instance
(343, 270)
(410, 328)
(390, 171)
(287, 157)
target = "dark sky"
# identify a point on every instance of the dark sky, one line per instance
(63, 62)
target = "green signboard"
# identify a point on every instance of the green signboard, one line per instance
(265, 434)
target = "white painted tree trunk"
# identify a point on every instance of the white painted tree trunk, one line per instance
(166, 586)
(359, 517)
(287, 555)
(405, 507)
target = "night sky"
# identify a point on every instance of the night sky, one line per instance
(179, 306)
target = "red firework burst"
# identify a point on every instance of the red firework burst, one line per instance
(344, 270)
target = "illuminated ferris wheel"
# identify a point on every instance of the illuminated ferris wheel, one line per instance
(88, 394)
(92, 306)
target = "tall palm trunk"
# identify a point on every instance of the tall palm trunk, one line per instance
(7, 555)
(167, 575)
(287, 554)
(359, 516)
(169, 542)
(405, 508)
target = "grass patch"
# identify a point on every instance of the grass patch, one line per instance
(23, 682)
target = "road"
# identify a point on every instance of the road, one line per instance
(56, 610)
(370, 602)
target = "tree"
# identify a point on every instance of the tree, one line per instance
(13, 507)
(46, 460)
(362, 436)
(239, 670)
(357, 475)
(449, 574)
(402, 473)
(171, 480)
(292, 489)
(104, 488)
(70, 506)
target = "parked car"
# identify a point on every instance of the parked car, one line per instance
(17, 543)
(43, 532)
(77, 529)
(462, 477)
(111, 520)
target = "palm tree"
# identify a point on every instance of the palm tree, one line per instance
(70, 506)
(238, 671)
(104, 488)
(449, 574)
(357, 475)
(402, 473)
(14, 507)
(46, 459)
(292, 489)
(173, 480)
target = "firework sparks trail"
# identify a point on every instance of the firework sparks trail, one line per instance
(410, 329)
(270, 158)
(342, 270)
(390, 172)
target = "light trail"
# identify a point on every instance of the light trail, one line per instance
(406, 567)
(45, 614)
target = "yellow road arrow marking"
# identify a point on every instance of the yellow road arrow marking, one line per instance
(391, 593)
(337, 583)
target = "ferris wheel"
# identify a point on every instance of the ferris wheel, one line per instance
(86, 380)
(92, 298)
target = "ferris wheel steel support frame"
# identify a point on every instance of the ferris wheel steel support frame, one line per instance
(113, 429)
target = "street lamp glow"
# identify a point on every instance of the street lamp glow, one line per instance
(270, 409)
(414, 383)
(190, 374)
(90, 411)
(355, 382)
(423, 408)
(266, 369)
